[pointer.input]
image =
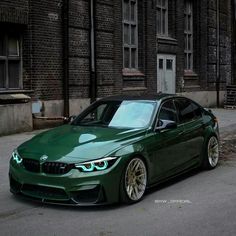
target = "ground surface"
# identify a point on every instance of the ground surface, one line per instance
(199, 203)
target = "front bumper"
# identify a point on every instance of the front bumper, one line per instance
(73, 188)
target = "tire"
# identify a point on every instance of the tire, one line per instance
(133, 181)
(211, 153)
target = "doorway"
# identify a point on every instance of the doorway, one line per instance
(166, 76)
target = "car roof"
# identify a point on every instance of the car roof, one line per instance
(148, 97)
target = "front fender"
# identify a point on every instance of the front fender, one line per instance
(134, 150)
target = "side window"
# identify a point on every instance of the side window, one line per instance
(130, 34)
(185, 110)
(162, 17)
(99, 112)
(10, 61)
(197, 111)
(96, 115)
(168, 112)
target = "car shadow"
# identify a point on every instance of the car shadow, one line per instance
(39, 204)
(172, 181)
(110, 207)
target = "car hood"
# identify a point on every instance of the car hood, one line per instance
(72, 144)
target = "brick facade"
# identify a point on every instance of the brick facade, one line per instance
(14, 11)
(225, 57)
(46, 49)
(41, 26)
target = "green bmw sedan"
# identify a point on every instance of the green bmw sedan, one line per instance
(116, 149)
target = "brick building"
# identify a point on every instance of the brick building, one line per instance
(57, 56)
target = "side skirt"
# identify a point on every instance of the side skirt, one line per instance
(170, 177)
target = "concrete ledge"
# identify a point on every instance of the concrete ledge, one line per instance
(51, 114)
(15, 118)
(205, 98)
(78, 105)
(55, 108)
(45, 124)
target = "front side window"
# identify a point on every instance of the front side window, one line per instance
(118, 114)
(188, 35)
(10, 62)
(162, 17)
(130, 34)
(168, 112)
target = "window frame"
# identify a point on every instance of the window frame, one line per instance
(129, 45)
(6, 58)
(163, 32)
(155, 124)
(188, 35)
(176, 113)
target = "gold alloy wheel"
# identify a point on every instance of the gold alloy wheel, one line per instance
(213, 151)
(135, 179)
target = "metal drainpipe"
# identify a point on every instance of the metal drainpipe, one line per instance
(233, 80)
(218, 55)
(93, 79)
(31, 45)
(65, 33)
(146, 41)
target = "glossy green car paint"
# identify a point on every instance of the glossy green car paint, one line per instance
(74, 145)
(166, 153)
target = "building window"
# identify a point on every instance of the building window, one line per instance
(188, 35)
(162, 17)
(130, 34)
(10, 62)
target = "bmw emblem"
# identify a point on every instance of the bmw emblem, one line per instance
(43, 158)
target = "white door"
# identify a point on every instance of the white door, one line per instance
(166, 73)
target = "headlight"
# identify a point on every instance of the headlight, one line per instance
(96, 165)
(16, 157)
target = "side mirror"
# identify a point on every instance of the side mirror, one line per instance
(69, 119)
(166, 125)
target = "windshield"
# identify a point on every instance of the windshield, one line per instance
(120, 114)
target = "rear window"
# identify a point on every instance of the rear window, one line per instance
(197, 110)
(187, 110)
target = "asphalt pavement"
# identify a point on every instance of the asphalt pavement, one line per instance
(226, 119)
(198, 203)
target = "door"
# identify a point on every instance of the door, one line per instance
(166, 146)
(166, 67)
(191, 117)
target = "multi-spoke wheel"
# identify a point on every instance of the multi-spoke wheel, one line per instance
(134, 181)
(211, 153)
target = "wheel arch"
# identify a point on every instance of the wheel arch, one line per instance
(144, 159)
(209, 132)
(205, 147)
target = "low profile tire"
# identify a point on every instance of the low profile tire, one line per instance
(134, 181)
(211, 156)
